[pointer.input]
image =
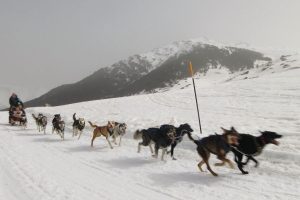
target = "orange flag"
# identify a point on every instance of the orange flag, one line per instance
(191, 69)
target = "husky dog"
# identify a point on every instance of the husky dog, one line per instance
(105, 131)
(118, 131)
(216, 144)
(162, 138)
(58, 126)
(41, 122)
(250, 146)
(180, 132)
(78, 126)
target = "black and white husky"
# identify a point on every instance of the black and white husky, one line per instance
(41, 122)
(78, 126)
(118, 131)
(58, 126)
(161, 137)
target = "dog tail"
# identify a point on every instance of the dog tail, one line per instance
(34, 117)
(92, 125)
(191, 138)
(137, 135)
(74, 118)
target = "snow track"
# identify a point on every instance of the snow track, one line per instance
(34, 166)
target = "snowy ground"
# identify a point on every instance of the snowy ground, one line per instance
(34, 166)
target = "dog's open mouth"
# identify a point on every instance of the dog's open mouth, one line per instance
(275, 142)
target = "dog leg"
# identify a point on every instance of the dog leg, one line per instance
(139, 147)
(220, 164)
(156, 148)
(79, 135)
(208, 167)
(254, 160)
(151, 149)
(164, 150)
(114, 139)
(230, 163)
(200, 165)
(205, 156)
(226, 160)
(109, 143)
(60, 134)
(92, 142)
(247, 160)
(120, 140)
(238, 159)
(172, 150)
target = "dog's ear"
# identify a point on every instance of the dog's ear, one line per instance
(233, 129)
(224, 130)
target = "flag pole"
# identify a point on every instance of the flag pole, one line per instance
(192, 74)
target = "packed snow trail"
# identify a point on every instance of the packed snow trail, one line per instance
(35, 166)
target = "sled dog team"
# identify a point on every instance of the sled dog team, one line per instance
(169, 136)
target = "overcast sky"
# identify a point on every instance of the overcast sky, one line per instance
(47, 43)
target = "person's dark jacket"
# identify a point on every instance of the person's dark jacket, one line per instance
(15, 101)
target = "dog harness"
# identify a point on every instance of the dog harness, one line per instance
(259, 147)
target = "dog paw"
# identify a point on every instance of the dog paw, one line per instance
(245, 172)
(174, 158)
(201, 170)
(219, 164)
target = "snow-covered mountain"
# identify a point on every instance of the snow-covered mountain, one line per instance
(38, 166)
(159, 68)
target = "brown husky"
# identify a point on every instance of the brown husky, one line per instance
(106, 131)
(218, 145)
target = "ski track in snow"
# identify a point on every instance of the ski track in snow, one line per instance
(35, 166)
